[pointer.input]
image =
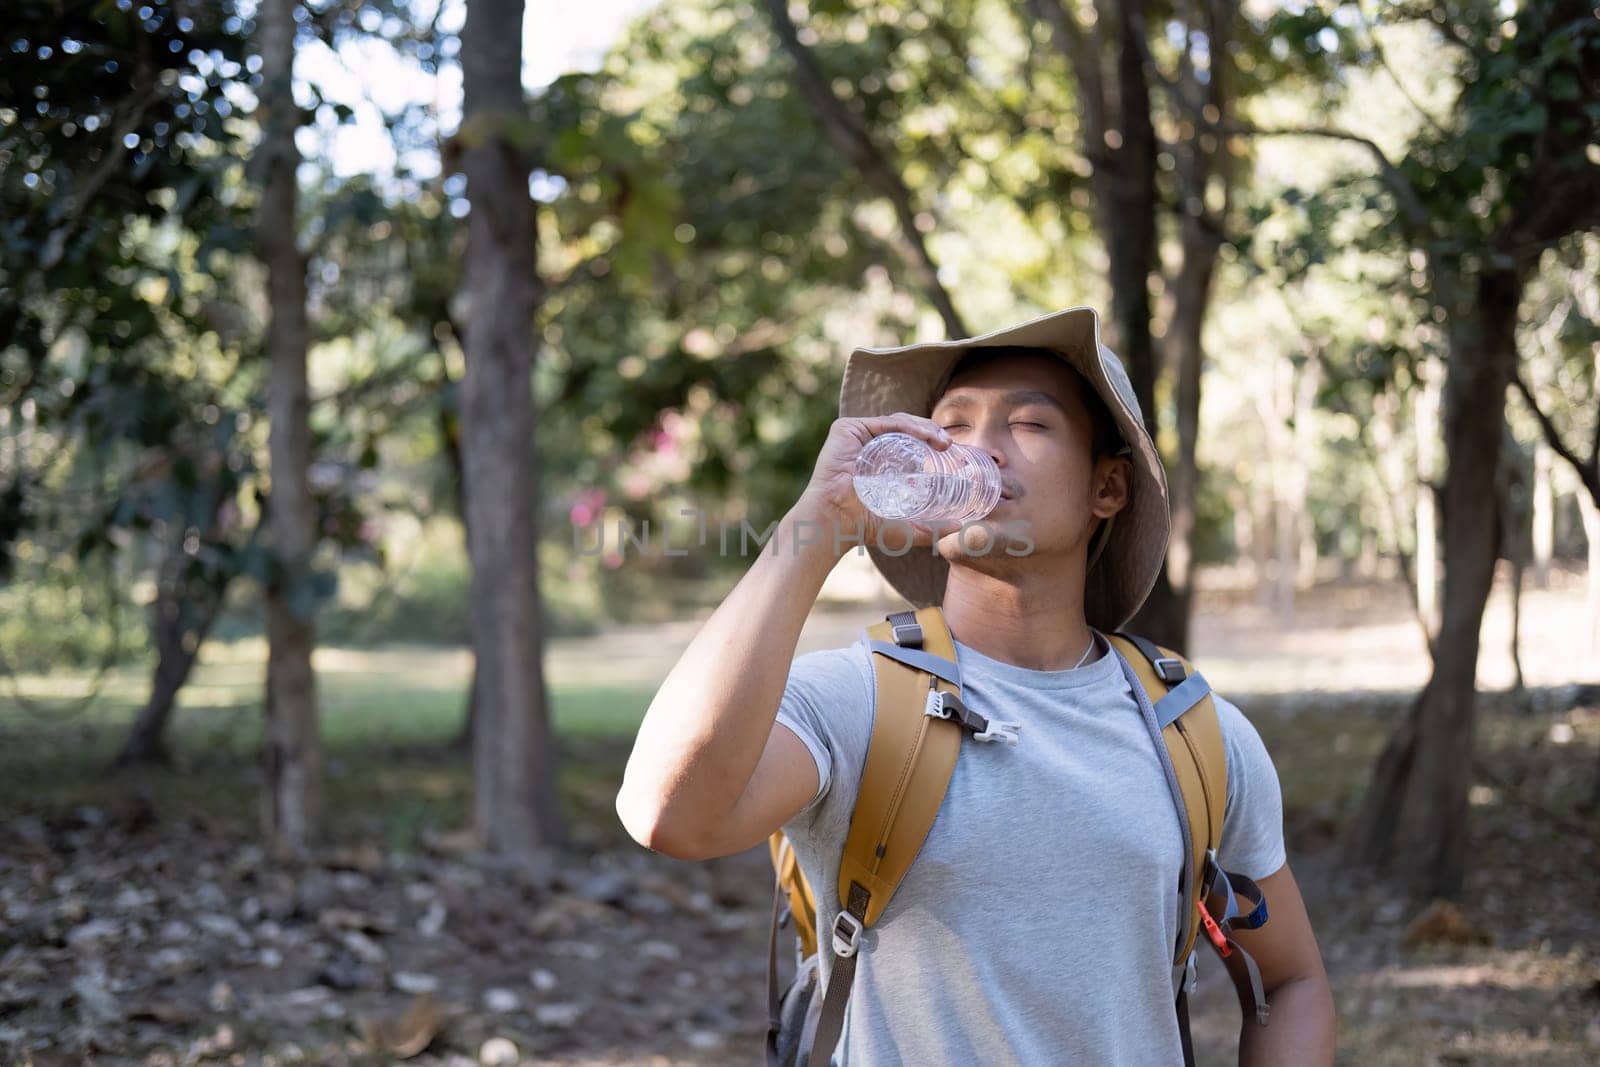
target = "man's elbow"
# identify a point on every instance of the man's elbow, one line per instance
(1303, 1026)
(648, 824)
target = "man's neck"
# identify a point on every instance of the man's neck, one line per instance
(1031, 620)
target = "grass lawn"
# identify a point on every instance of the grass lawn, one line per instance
(388, 719)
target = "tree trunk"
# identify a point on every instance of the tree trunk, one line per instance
(292, 805)
(178, 637)
(1287, 464)
(1304, 436)
(1512, 491)
(1191, 293)
(1414, 818)
(854, 141)
(1191, 298)
(514, 796)
(1261, 522)
(1518, 572)
(449, 421)
(1544, 515)
(1397, 490)
(1203, 159)
(1126, 197)
(1288, 502)
(1119, 142)
(1427, 568)
(182, 616)
(1589, 509)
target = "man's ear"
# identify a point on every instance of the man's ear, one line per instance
(1113, 482)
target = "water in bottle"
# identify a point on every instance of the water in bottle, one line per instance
(898, 476)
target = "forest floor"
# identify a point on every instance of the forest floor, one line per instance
(140, 922)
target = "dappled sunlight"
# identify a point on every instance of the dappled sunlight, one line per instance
(1508, 971)
(411, 665)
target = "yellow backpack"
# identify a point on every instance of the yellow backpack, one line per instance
(916, 737)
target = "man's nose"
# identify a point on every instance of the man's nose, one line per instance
(990, 439)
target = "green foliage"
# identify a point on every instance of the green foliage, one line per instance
(707, 252)
(1504, 172)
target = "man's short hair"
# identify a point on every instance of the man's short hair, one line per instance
(1105, 439)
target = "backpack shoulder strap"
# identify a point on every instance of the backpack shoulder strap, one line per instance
(1187, 717)
(1214, 900)
(917, 725)
(909, 759)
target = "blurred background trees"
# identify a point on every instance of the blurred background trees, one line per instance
(264, 343)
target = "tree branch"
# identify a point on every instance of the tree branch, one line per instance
(1588, 472)
(125, 120)
(1445, 23)
(1410, 203)
(1383, 61)
(1083, 56)
(854, 140)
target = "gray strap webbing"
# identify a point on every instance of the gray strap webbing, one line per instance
(922, 661)
(1185, 914)
(1184, 1036)
(1219, 884)
(1185, 695)
(830, 1022)
(1263, 1009)
(774, 1017)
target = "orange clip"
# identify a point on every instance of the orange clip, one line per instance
(1214, 932)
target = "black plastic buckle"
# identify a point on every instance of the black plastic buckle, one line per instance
(907, 634)
(1170, 670)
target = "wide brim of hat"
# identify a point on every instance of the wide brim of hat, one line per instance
(880, 381)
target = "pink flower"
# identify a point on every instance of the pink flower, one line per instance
(587, 505)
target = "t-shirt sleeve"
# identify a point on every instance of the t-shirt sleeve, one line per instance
(827, 703)
(1252, 821)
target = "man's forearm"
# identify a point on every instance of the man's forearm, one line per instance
(1300, 1030)
(706, 728)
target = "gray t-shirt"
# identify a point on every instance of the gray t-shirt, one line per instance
(1037, 924)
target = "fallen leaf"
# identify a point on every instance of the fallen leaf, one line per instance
(410, 1034)
(365, 858)
(1442, 923)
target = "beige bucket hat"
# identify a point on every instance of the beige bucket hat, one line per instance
(880, 381)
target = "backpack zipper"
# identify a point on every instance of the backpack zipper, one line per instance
(898, 794)
(1205, 786)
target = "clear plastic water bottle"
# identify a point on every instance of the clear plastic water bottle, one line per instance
(898, 476)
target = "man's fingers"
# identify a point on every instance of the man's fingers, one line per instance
(905, 422)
